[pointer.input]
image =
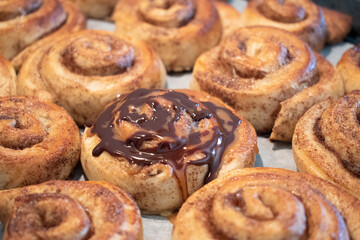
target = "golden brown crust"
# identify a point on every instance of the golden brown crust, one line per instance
(301, 17)
(269, 203)
(326, 142)
(338, 25)
(178, 39)
(39, 141)
(96, 8)
(230, 17)
(83, 71)
(157, 188)
(349, 69)
(272, 71)
(7, 78)
(70, 210)
(75, 21)
(24, 22)
(329, 84)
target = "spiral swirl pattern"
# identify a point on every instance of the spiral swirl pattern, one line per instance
(38, 142)
(301, 17)
(162, 145)
(69, 210)
(349, 68)
(75, 21)
(167, 13)
(326, 142)
(178, 30)
(269, 76)
(84, 71)
(7, 78)
(24, 22)
(267, 203)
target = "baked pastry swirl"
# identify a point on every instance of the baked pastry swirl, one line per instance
(75, 21)
(269, 203)
(7, 78)
(326, 142)
(39, 141)
(349, 68)
(162, 145)
(302, 17)
(69, 210)
(83, 71)
(178, 30)
(96, 8)
(267, 75)
(24, 22)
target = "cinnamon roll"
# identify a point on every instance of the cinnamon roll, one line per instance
(269, 203)
(178, 30)
(69, 210)
(7, 78)
(302, 17)
(96, 8)
(83, 71)
(24, 22)
(349, 68)
(39, 141)
(163, 145)
(326, 142)
(269, 76)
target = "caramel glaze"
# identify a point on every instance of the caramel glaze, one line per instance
(161, 125)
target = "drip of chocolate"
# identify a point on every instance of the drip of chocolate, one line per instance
(161, 125)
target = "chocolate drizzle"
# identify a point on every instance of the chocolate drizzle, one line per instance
(160, 126)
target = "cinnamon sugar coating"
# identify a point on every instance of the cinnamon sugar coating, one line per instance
(179, 31)
(268, 203)
(69, 210)
(25, 22)
(326, 142)
(267, 75)
(39, 141)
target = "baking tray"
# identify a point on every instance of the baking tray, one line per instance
(272, 154)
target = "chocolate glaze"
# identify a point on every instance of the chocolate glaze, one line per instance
(161, 124)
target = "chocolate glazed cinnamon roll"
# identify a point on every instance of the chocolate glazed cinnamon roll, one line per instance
(7, 78)
(326, 142)
(269, 76)
(24, 22)
(39, 141)
(349, 68)
(162, 145)
(269, 203)
(69, 210)
(179, 30)
(302, 17)
(96, 8)
(84, 71)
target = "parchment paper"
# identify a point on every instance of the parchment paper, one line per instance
(271, 154)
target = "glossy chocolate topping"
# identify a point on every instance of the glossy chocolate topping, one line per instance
(160, 126)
